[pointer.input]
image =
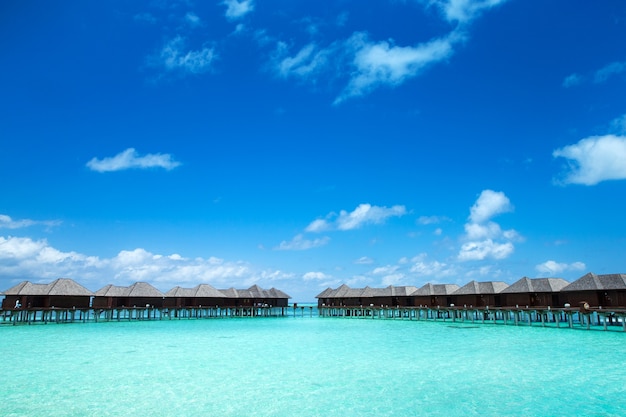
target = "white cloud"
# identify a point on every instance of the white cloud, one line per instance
(482, 231)
(7, 222)
(306, 63)
(24, 258)
(360, 216)
(131, 159)
(432, 219)
(393, 279)
(300, 243)
(367, 214)
(385, 270)
(370, 64)
(490, 203)
(464, 11)
(485, 238)
(553, 267)
(431, 269)
(309, 276)
(174, 57)
(477, 251)
(383, 63)
(614, 68)
(319, 225)
(238, 9)
(594, 159)
(364, 260)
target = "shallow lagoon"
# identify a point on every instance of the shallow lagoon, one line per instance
(309, 367)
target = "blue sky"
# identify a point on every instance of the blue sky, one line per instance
(302, 145)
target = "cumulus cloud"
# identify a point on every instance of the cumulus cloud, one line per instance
(431, 269)
(553, 267)
(464, 11)
(360, 216)
(393, 279)
(238, 9)
(174, 57)
(300, 243)
(489, 204)
(22, 257)
(483, 237)
(367, 214)
(477, 251)
(6, 222)
(384, 63)
(593, 160)
(131, 159)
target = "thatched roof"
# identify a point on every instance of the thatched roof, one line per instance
(593, 282)
(58, 287)
(535, 285)
(402, 291)
(137, 290)
(346, 292)
(199, 291)
(276, 293)
(253, 292)
(15, 290)
(207, 291)
(111, 291)
(436, 289)
(481, 288)
(180, 292)
(325, 293)
(341, 291)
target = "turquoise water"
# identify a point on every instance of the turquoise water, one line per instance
(309, 367)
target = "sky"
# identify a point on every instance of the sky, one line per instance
(304, 144)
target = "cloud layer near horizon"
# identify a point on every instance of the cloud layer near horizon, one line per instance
(23, 258)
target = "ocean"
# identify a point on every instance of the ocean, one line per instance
(309, 366)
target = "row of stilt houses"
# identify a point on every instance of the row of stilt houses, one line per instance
(592, 300)
(600, 291)
(66, 300)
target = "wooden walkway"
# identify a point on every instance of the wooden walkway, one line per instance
(77, 315)
(528, 316)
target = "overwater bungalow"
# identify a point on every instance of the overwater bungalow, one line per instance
(388, 296)
(607, 290)
(341, 296)
(533, 292)
(254, 296)
(479, 294)
(140, 294)
(434, 295)
(200, 295)
(60, 293)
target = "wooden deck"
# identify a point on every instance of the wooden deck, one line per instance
(519, 316)
(77, 315)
